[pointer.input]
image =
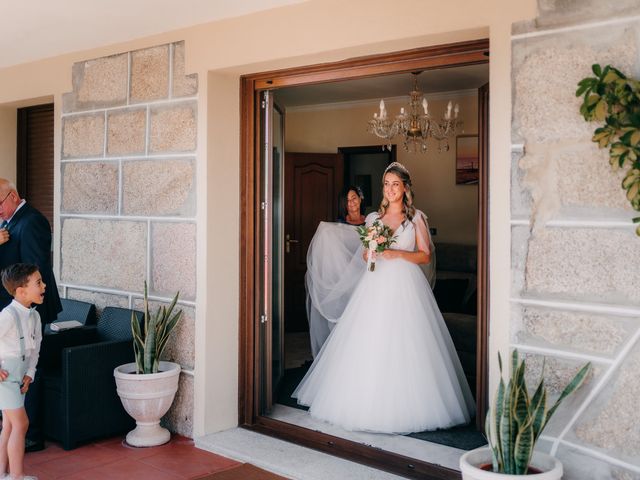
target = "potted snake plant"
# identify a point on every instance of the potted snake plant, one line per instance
(148, 386)
(514, 423)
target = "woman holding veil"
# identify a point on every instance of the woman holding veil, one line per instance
(389, 364)
(324, 270)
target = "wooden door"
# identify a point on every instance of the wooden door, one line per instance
(312, 184)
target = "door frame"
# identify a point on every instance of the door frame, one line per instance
(441, 56)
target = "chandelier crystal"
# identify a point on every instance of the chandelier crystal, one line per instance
(416, 126)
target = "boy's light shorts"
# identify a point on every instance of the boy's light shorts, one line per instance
(10, 396)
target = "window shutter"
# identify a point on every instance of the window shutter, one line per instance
(35, 157)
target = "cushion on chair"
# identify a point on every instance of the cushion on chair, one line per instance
(115, 323)
(83, 312)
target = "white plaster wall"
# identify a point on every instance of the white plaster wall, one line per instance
(8, 132)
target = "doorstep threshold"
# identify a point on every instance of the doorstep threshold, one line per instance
(285, 458)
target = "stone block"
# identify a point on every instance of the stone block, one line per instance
(98, 83)
(90, 187)
(595, 265)
(181, 344)
(179, 418)
(99, 299)
(574, 181)
(538, 179)
(558, 372)
(520, 196)
(183, 85)
(173, 259)
(83, 136)
(519, 244)
(586, 179)
(126, 131)
(173, 128)
(104, 253)
(150, 74)
(546, 71)
(558, 13)
(158, 187)
(582, 465)
(611, 421)
(569, 330)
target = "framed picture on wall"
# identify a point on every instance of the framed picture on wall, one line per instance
(466, 159)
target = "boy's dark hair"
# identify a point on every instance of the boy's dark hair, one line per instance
(17, 275)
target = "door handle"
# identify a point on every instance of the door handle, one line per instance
(288, 242)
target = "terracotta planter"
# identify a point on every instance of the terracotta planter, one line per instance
(147, 397)
(470, 462)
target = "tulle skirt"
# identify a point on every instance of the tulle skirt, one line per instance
(389, 365)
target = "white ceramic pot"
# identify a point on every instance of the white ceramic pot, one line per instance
(550, 467)
(147, 397)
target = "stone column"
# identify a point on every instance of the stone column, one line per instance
(575, 256)
(129, 202)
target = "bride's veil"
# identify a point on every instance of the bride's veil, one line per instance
(334, 265)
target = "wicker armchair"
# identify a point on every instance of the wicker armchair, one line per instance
(80, 398)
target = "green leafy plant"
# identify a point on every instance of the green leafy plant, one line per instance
(614, 98)
(516, 419)
(149, 342)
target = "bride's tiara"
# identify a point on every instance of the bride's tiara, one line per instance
(397, 165)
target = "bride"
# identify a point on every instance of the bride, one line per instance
(389, 364)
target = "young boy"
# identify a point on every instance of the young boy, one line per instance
(20, 337)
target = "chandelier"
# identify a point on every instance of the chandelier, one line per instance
(416, 125)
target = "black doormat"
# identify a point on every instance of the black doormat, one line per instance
(464, 437)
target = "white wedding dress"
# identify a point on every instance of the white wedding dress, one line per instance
(389, 364)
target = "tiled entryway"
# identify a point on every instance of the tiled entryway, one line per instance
(113, 460)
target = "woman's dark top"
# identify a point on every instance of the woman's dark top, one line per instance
(344, 220)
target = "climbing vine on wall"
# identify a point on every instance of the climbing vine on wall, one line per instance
(614, 98)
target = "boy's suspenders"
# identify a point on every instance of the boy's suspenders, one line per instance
(16, 317)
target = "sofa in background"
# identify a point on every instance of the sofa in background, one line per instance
(456, 294)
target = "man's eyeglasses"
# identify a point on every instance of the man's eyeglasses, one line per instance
(6, 196)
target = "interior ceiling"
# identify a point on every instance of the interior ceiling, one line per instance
(35, 29)
(384, 86)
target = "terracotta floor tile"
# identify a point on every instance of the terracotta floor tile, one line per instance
(188, 460)
(125, 470)
(39, 471)
(243, 472)
(51, 452)
(82, 458)
(120, 446)
(113, 459)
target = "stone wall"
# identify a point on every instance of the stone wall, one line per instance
(128, 193)
(575, 256)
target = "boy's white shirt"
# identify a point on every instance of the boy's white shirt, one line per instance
(9, 338)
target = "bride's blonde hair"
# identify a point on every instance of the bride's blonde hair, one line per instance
(407, 199)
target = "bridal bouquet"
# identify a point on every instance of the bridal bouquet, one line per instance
(376, 238)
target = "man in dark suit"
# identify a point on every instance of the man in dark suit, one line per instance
(27, 239)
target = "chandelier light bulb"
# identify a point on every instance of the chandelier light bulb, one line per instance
(415, 127)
